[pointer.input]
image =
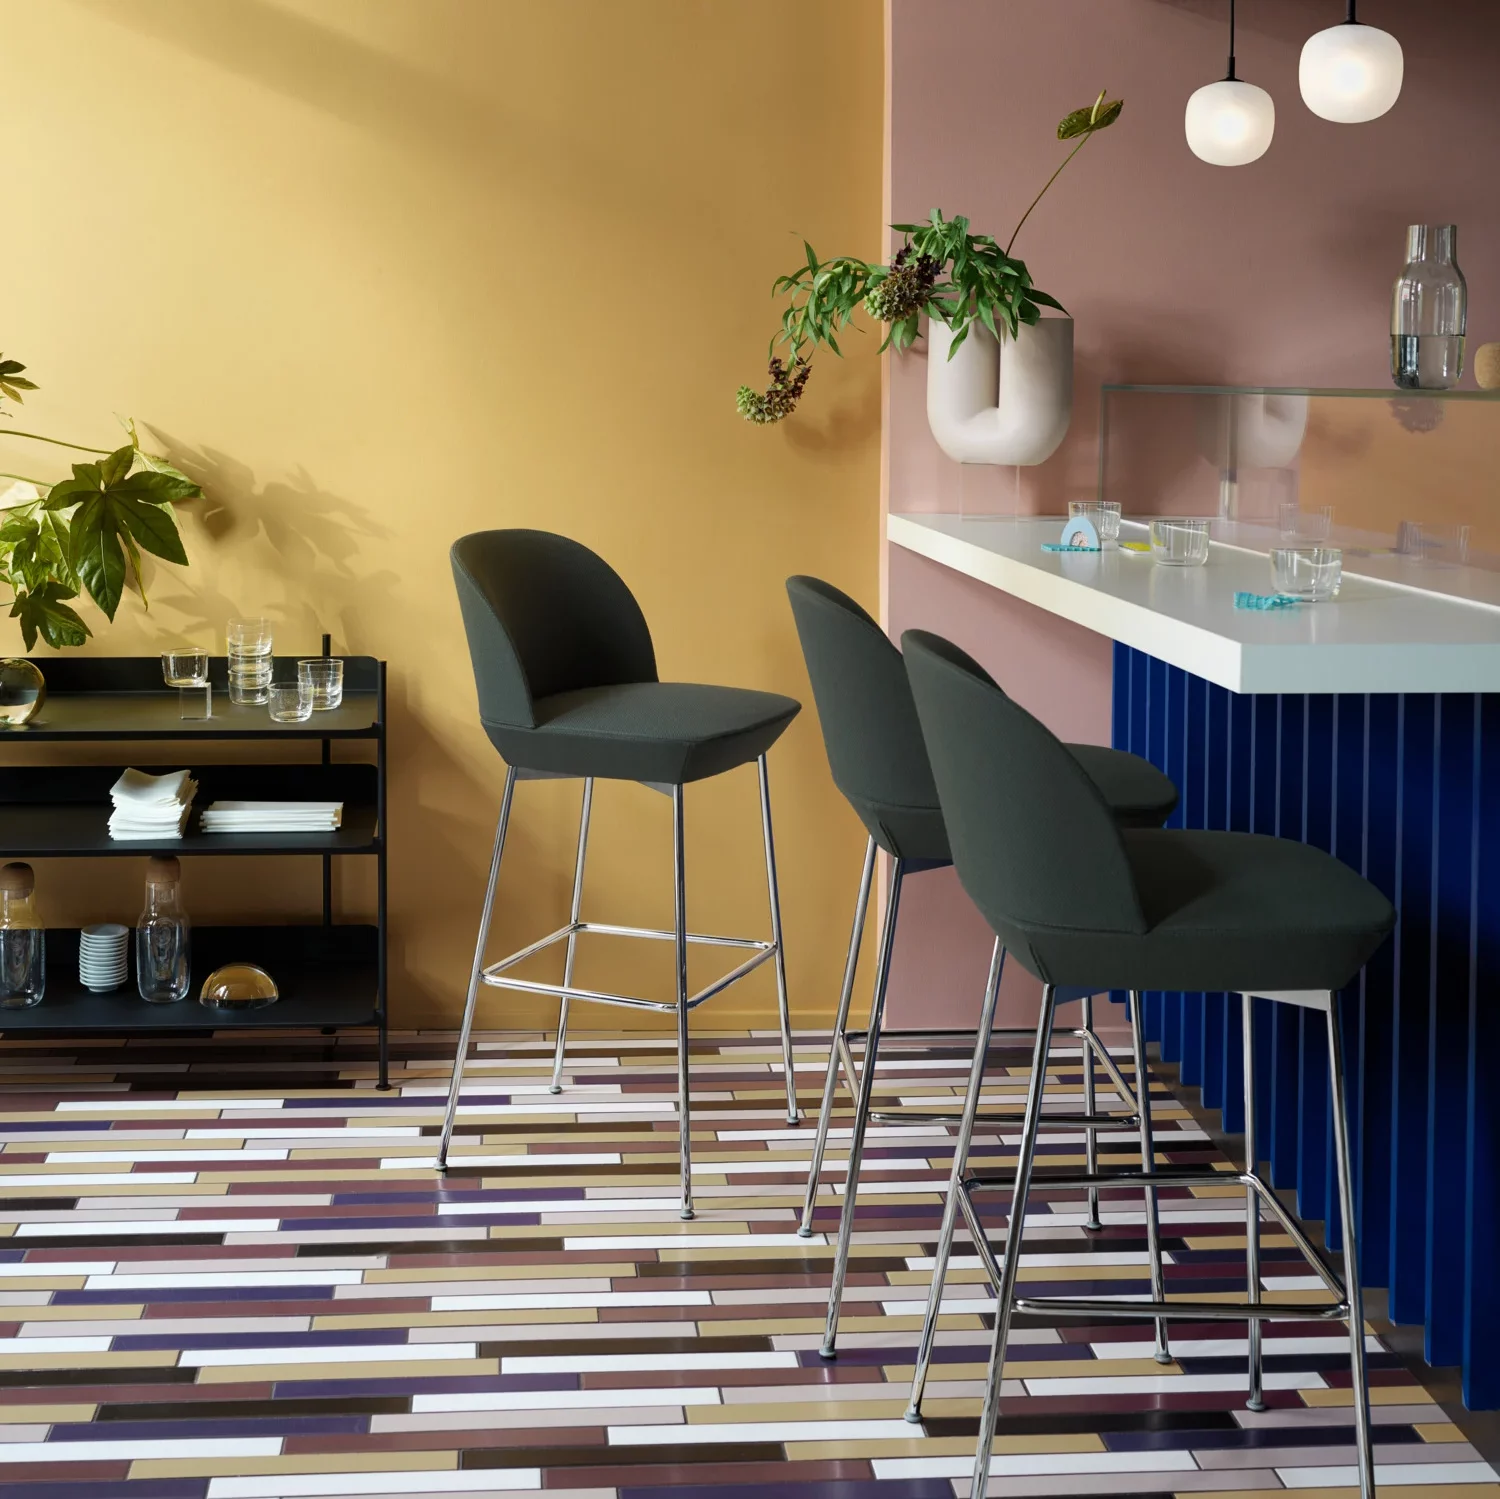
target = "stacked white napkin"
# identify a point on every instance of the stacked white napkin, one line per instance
(151, 807)
(271, 817)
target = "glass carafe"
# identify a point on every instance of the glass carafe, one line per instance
(163, 949)
(23, 942)
(1429, 311)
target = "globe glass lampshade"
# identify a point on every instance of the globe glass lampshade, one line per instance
(1350, 74)
(1230, 123)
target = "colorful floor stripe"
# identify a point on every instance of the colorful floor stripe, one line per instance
(228, 1271)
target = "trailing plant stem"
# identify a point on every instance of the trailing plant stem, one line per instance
(25, 479)
(37, 437)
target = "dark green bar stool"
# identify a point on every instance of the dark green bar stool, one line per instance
(1086, 906)
(879, 762)
(566, 675)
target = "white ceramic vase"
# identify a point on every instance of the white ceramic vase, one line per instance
(1001, 402)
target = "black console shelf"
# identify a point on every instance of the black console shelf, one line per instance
(331, 975)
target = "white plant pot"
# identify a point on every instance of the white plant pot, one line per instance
(1008, 402)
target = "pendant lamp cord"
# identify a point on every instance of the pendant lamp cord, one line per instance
(1229, 77)
(1351, 21)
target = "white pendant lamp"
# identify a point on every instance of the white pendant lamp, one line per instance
(1351, 73)
(1230, 122)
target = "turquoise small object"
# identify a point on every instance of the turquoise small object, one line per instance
(1057, 546)
(1245, 600)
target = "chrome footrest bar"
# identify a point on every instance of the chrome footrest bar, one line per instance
(907, 1113)
(1198, 1311)
(497, 980)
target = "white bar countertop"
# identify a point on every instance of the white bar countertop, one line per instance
(1379, 635)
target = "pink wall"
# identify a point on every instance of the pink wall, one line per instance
(1275, 273)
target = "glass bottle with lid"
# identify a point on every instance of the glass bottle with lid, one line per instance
(23, 941)
(163, 948)
(1429, 311)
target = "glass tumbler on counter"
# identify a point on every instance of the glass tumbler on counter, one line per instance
(1429, 311)
(1181, 542)
(187, 667)
(1104, 515)
(324, 678)
(163, 940)
(1312, 574)
(249, 660)
(290, 702)
(23, 941)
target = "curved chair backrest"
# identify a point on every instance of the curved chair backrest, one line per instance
(544, 615)
(1034, 841)
(869, 721)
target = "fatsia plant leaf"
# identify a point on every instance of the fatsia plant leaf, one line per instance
(43, 611)
(98, 558)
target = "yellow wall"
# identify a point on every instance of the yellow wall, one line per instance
(382, 272)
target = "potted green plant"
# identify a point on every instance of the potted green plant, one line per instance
(962, 281)
(84, 533)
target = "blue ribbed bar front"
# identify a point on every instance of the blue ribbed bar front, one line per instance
(1406, 789)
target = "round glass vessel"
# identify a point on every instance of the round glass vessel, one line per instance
(23, 690)
(239, 986)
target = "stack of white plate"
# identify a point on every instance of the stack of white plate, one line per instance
(103, 956)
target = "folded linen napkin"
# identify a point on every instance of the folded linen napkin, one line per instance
(136, 789)
(123, 825)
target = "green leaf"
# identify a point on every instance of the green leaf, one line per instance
(18, 528)
(42, 611)
(97, 557)
(116, 466)
(1045, 300)
(156, 487)
(150, 525)
(67, 494)
(1097, 116)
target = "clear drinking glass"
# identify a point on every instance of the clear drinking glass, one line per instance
(1429, 311)
(324, 677)
(163, 939)
(249, 643)
(1180, 542)
(187, 667)
(1103, 514)
(1433, 541)
(290, 702)
(1308, 573)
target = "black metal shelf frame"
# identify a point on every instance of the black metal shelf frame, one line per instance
(331, 975)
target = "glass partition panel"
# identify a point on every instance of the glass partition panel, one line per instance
(1410, 476)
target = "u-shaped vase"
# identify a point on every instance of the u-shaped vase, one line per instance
(1007, 401)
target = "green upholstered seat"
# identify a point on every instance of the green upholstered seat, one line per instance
(874, 741)
(1082, 903)
(566, 671)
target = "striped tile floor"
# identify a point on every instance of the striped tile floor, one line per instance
(228, 1271)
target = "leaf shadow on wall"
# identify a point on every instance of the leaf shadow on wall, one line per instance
(435, 116)
(315, 537)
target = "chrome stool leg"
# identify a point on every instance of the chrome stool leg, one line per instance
(960, 1165)
(1255, 1401)
(476, 972)
(1352, 1289)
(1148, 1166)
(840, 1025)
(783, 1010)
(862, 1111)
(1090, 1136)
(1014, 1233)
(679, 937)
(562, 1008)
